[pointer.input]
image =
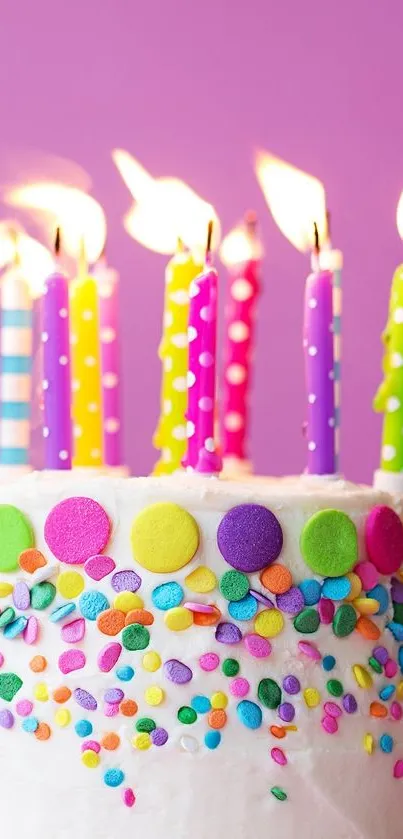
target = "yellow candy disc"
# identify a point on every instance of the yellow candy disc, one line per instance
(219, 700)
(6, 589)
(311, 697)
(369, 743)
(362, 677)
(399, 690)
(269, 623)
(41, 692)
(151, 662)
(125, 601)
(70, 584)
(178, 619)
(356, 586)
(63, 717)
(366, 605)
(142, 741)
(154, 695)
(90, 759)
(165, 537)
(201, 580)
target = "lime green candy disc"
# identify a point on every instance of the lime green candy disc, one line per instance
(16, 535)
(329, 543)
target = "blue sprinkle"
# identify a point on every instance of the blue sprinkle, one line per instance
(125, 674)
(380, 594)
(311, 590)
(249, 713)
(400, 658)
(386, 692)
(167, 596)
(328, 662)
(62, 612)
(114, 777)
(83, 728)
(336, 588)
(201, 704)
(212, 739)
(30, 724)
(92, 603)
(15, 627)
(386, 743)
(243, 610)
(396, 629)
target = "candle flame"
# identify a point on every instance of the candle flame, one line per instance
(399, 216)
(166, 209)
(34, 260)
(78, 214)
(296, 200)
(240, 245)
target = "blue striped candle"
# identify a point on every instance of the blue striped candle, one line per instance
(16, 364)
(332, 260)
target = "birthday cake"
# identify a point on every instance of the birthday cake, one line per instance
(189, 656)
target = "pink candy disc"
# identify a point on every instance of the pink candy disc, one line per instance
(76, 529)
(199, 607)
(209, 661)
(31, 630)
(326, 610)
(257, 646)
(91, 746)
(129, 797)
(98, 567)
(309, 650)
(384, 539)
(108, 656)
(239, 687)
(71, 660)
(332, 709)
(329, 724)
(390, 668)
(398, 769)
(111, 710)
(278, 756)
(74, 631)
(368, 574)
(396, 710)
(24, 707)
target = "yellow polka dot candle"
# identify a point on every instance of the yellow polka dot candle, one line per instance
(86, 370)
(170, 436)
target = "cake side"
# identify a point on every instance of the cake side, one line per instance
(198, 642)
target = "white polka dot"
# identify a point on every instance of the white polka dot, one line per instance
(90, 361)
(233, 421)
(190, 428)
(311, 446)
(45, 384)
(180, 384)
(209, 444)
(63, 313)
(206, 359)
(312, 351)
(388, 452)
(75, 385)
(110, 380)
(393, 404)
(238, 331)
(63, 455)
(95, 453)
(190, 378)
(206, 403)
(105, 290)
(168, 319)
(108, 335)
(168, 363)
(63, 360)
(305, 342)
(45, 432)
(206, 314)
(312, 303)
(166, 455)
(331, 422)
(77, 431)
(396, 360)
(236, 374)
(180, 297)
(112, 425)
(241, 290)
(398, 315)
(87, 314)
(179, 432)
(331, 374)
(192, 333)
(45, 337)
(73, 340)
(93, 407)
(180, 340)
(167, 406)
(311, 398)
(194, 289)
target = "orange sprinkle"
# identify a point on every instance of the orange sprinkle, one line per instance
(128, 707)
(276, 578)
(110, 741)
(367, 628)
(61, 694)
(111, 622)
(376, 709)
(141, 616)
(43, 731)
(203, 619)
(30, 560)
(217, 718)
(278, 731)
(38, 663)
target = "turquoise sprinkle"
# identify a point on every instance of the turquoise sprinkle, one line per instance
(244, 609)
(400, 658)
(15, 627)
(83, 728)
(386, 692)
(16, 364)
(15, 410)
(125, 674)
(328, 662)
(386, 743)
(114, 777)
(396, 629)
(336, 588)
(212, 739)
(62, 612)
(30, 724)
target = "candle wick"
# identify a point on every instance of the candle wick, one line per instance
(328, 229)
(209, 239)
(315, 249)
(57, 245)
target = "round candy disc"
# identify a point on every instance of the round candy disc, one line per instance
(384, 539)
(16, 535)
(76, 529)
(165, 537)
(250, 537)
(329, 543)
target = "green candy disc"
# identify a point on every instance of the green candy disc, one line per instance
(135, 637)
(344, 621)
(269, 693)
(16, 535)
(145, 724)
(329, 543)
(42, 595)
(187, 715)
(10, 684)
(307, 621)
(230, 667)
(335, 687)
(234, 585)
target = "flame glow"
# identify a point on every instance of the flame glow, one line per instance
(399, 216)
(296, 200)
(36, 262)
(165, 209)
(239, 246)
(78, 214)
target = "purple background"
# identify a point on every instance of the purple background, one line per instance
(191, 89)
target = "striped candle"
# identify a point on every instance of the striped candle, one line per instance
(107, 280)
(16, 366)
(57, 430)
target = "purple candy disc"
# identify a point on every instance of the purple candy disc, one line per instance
(291, 602)
(85, 699)
(177, 672)
(250, 537)
(228, 633)
(126, 581)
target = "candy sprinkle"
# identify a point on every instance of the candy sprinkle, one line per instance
(278, 756)
(279, 793)
(128, 797)
(114, 777)
(362, 676)
(368, 743)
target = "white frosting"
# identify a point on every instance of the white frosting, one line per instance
(335, 789)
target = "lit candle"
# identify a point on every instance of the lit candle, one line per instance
(16, 366)
(332, 260)
(319, 369)
(201, 449)
(56, 365)
(170, 436)
(108, 284)
(86, 369)
(241, 251)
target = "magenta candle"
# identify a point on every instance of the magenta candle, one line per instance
(319, 369)
(108, 284)
(201, 450)
(57, 429)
